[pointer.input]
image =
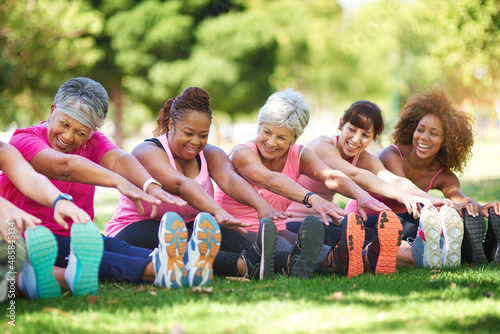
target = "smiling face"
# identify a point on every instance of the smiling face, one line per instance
(65, 134)
(190, 135)
(353, 140)
(274, 141)
(428, 137)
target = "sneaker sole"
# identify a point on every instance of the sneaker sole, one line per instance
(430, 223)
(355, 237)
(453, 231)
(269, 242)
(172, 236)
(312, 235)
(475, 231)
(202, 250)
(88, 246)
(42, 251)
(390, 235)
(494, 225)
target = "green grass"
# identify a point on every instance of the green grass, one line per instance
(462, 299)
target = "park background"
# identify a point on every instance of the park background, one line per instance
(333, 52)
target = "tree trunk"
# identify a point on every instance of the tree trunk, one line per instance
(117, 98)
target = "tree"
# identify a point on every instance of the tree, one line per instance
(43, 43)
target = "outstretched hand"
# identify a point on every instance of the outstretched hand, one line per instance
(66, 209)
(485, 210)
(11, 217)
(412, 203)
(225, 219)
(369, 203)
(326, 208)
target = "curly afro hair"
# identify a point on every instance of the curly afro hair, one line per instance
(458, 126)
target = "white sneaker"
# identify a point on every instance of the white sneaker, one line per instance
(168, 256)
(453, 230)
(87, 246)
(202, 249)
(430, 224)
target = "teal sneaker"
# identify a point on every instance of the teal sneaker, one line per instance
(202, 249)
(87, 246)
(36, 280)
(168, 256)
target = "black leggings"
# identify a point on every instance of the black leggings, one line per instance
(144, 233)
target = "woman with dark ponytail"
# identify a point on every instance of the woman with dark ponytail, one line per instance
(180, 159)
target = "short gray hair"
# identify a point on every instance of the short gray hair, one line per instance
(286, 108)
(83, 99)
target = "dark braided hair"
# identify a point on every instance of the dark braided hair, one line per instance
(192, 98)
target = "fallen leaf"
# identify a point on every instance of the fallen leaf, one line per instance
(92, 299)
(433, 276)
(239, 279)
(208, 290)
(453, 285)
(269, 285)
(113, 301)
(338, 295)
(119, 287)
(153, 293)
(58, 311)
(354, 286)
(472, 284)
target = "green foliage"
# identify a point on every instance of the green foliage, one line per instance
(43, 43)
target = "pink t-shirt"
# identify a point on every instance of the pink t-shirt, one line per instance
(352, 205)
(248, 214)
(32, 140)
(126, 213)
(299, 210)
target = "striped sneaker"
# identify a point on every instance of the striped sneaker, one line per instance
(453, 231)
(347, 253)
(37, 280)
(86, 249)
(430, 227)
(306, 249)
(168, 256)
(202, 249)
(385, 244)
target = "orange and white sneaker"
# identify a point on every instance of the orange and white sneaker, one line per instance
(385, 243)
(347, 252)
(202, 249)
(168, 256)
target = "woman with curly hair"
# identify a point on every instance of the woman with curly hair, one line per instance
(433, 140)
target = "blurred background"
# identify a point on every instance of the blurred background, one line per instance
(241, 51)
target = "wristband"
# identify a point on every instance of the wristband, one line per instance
(148, 182)
(61, 196)
(306, 199)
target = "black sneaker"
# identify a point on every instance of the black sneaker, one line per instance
(259, 258)
(306, 249)
(491, 242)
(472, 245)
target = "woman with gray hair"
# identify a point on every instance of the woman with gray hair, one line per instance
(272, 163)
(76, 157)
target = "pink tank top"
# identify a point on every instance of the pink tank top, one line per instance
(352, 205)
(299, 210)
(248, 214)
(126, 213)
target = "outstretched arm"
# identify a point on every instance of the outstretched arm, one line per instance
(248, 164)
(37, 187)
(223, 173)
(366, 177)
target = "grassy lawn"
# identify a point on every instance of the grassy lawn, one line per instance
(462, 299)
